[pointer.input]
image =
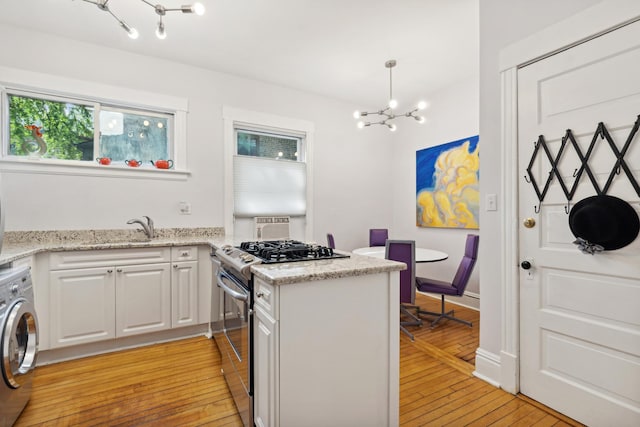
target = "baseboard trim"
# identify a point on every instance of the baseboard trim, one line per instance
(56, 355)
(487, 367)
(510, 373)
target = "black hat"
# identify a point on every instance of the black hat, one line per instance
(604, 220)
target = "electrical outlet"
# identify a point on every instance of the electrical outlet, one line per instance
(185, 208)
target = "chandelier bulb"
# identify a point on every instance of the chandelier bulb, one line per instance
(360, 124)
(160, 32)
(422, 105)
(132, 32)
(392, 127)
(356, 114)
(420, 119)
(393, 104)
(198, 9)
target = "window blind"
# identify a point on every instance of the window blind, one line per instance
(265, 186)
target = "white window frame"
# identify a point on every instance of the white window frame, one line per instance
(51, 85)
(233, 117)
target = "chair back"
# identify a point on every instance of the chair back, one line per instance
(330, 242)
(378, 236)
(404, 251)
(467, 263)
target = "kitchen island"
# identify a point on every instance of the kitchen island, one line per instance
(326, 343)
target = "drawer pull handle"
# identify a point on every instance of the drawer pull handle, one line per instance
(109, 271)
(119, 270)
(259, 294)
(185, 253)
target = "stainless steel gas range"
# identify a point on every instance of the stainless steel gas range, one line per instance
(234, 285)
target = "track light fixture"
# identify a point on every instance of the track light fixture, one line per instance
(161, 10)
(387, 114)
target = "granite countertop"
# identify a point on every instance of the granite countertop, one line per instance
(21, 244)
(305, 271)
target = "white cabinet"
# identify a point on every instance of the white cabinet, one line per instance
(81, 306)
(143, 299)
(184, 286)
(112, 293)
(265, 366)
(327, 352)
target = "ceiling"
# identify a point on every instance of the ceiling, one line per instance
(336, 48)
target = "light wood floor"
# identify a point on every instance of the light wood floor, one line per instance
(179, 384)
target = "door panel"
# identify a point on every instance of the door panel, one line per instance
(579, 314)
(143, 299)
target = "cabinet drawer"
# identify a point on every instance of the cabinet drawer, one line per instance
(108, 257)
(184, 253)
(264, 296)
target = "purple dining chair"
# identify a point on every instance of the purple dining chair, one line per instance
(330, 242)
(378, 236)
(454, 288)
(404, 251)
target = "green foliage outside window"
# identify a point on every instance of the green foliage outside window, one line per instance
(62, 128)
(50, 129)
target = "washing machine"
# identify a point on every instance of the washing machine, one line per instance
(18, 342)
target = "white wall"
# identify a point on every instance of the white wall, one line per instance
(502, 22)
(452, 115)
(350, 194)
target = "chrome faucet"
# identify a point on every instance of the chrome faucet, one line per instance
(146, 227)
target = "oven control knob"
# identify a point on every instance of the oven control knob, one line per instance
(15, 288)
(247, 258)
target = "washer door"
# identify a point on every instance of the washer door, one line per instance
(19, 343)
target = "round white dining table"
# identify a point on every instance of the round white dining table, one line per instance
(422, 254)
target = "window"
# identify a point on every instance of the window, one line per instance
(268, 170)
(274, 146)
(270, 176)
(45, 126)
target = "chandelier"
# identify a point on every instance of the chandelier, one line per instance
(387, 114)
(161, 10)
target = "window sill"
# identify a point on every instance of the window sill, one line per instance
(50, 167)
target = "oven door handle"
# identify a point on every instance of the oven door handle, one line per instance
(227, 289)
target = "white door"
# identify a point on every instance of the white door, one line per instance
(580, 314)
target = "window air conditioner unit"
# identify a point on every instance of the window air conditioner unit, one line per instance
(271, 227)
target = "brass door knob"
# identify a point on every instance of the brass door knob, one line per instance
(529, 222)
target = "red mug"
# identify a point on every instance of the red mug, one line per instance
(163, 164)
(133, 163)
(104, 160)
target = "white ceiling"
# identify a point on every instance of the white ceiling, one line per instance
(336, 48)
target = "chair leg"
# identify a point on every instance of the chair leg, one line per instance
(415, 322)
(443, 315)
(409, 334)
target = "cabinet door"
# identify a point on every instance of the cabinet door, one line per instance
(184, 294)
(82, 305)
(143, 299)
(265, 369)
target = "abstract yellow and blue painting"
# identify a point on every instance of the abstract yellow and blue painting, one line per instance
(448, 185)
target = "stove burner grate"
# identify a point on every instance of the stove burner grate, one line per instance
(272, 251)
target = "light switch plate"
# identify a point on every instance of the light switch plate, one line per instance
(492, 202)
